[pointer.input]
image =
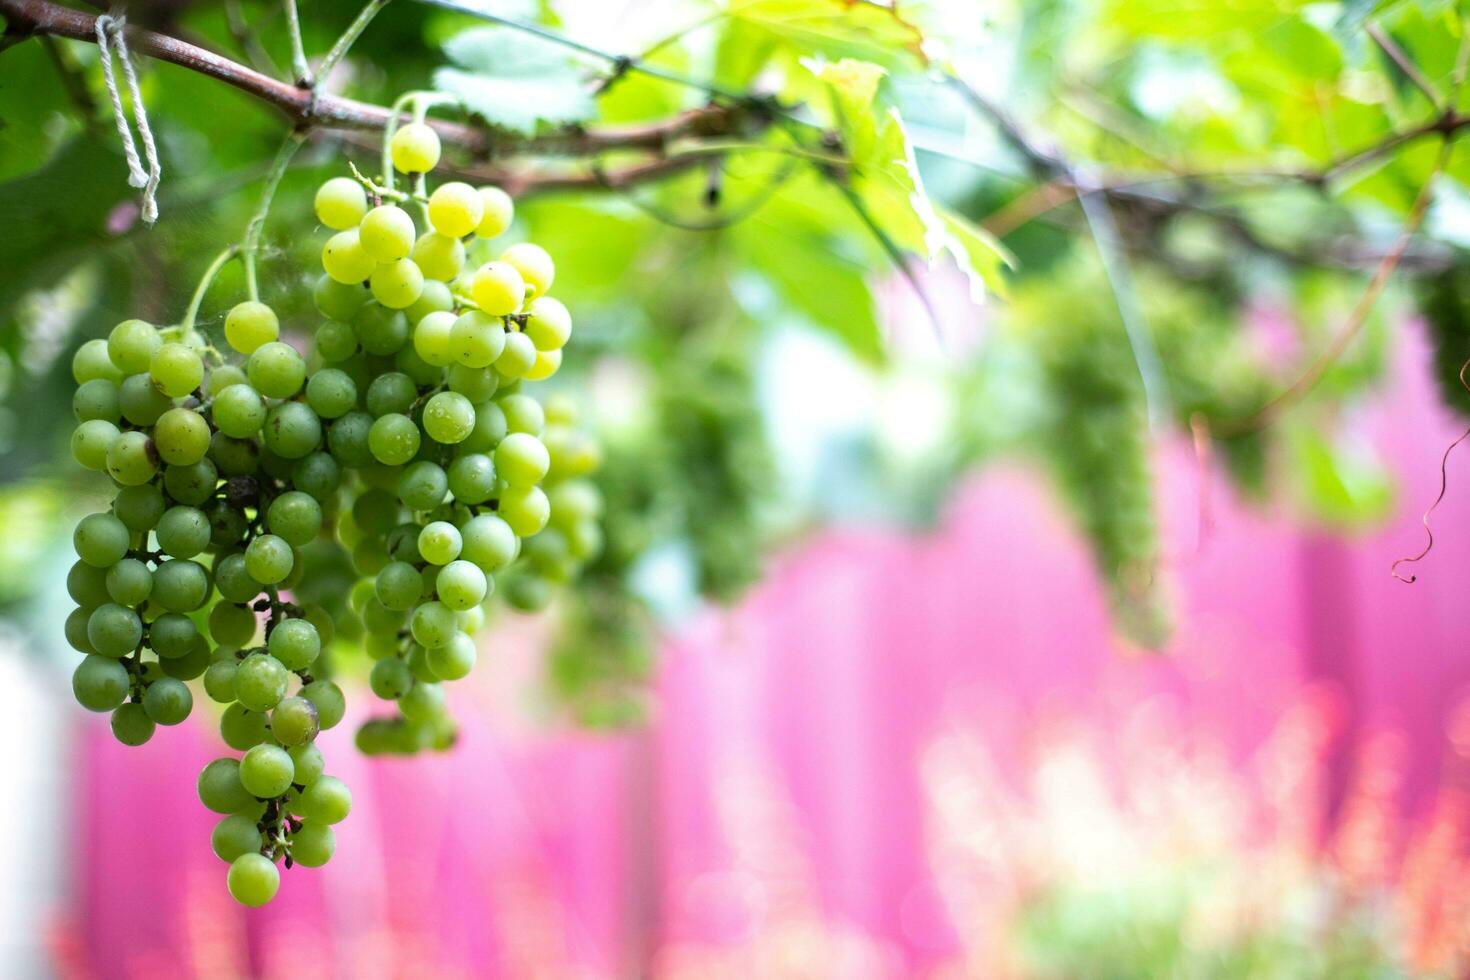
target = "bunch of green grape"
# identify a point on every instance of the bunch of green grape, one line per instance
(404, 439)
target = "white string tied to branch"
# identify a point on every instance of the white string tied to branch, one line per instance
(110, 35)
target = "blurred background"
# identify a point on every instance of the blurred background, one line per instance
(1011, 416)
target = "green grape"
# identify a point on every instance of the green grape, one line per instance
(394, 439)
(183, 532)
(233, 836)
(131, 724)
(294, 722)
(518, 357)
(87, 584)
(234, 457)
(100, 540)
(92, 441)
(338, 301)
(376, 512)
(220, 788)
(231, 624)
(335, 341)
(397, 284)
(114, 630)
(176, 369)
(232, 578)
(449, 417)
(461, 585)
(345, 260)
(525, 509)
(229, 527)
(498, 212)
(390, 679)
(476, 339)
(523, 414)
(391, 393)
(548, 323)
(380, 330)
(180, 585)
(433, 624)
(422, 703)
(454, 660)
(439, 257)
(168, 701)
(139, 508)
(472, 478)
(139, 402)
(250, 325)
(99, 683)
(534, 265)
(181, 437)
(431, 338)
(131, 344)
(440, 542)
(172, 635)
(340, 203)
(528, 593)
(242, 728)
(489, 542)
(268, 559)
(414, 148)
(498, 288)
(547, 363)
(266, 771)
(521, 459)
(423, 485)
(455, 209)
(490, 427)
(92, 362)
(292, 430)
(191, 485)
(476, 384)
(75, 629)
(239, 411)
(348, 439)
(418, 664)
(295, 517)
(387, 233)
(132, 459)
(295, 643)
(398, 586)
(224, 376)
(276, 370)
(331, 393)
(253, 880)
(313, 845)
(330, 704)
(129, 582)
(307, 759)
(190, 665)
(260, 682)
(96, 399)
(219, 681)
(317, 474)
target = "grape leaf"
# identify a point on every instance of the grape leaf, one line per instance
(514, 81)
(865, 29)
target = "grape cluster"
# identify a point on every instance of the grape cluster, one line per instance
(404, 441)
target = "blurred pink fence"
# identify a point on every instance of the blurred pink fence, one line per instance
(781, 794)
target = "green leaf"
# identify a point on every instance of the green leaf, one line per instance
(513, 80)
(862, 29)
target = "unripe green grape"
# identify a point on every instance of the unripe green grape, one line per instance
(234, 457)
(99, 683)
(423, 485)
(439, 257)
(129, 582)
(534, 264)
(191, 485)
(232, 625)
(375, 512)
(476, 339)
(75, 629)
(422, 703)
(131, 344)
(139, 402)
(489, 542)
(436, 298)
(461, 585)
(242, 728)
(191, 665)
(295, 643)
(139, 508)
(180, 585)
(394, 439)
(518, 357)
(523, 414)
(233, 836)
(276, 370)
(455, 659)
(431, 338)
(220, 788)
(455, 209)
(92, 362)
(398, 586)
(168, 701)
(471, 619)
(266, 771)
(340, 203)
(397, 284)
(498, 288)
(268, 559)
(525, 509)
(521, 459)
(219, 681)
(491, 426)
(433, 625)
(472, 478)
(476, 384)
(317, 474)
(131, 724)
(239, 411)
(96, 399)
(440, 542)
(313, 845)
(389, 679)
(183, 532)
(251, 324)
(548, 323)
(295, 516)
(448, 417)
(260, 682)
(172, 635)
(253, 880)
(528, 593)
(547, 363)
(348, 439)
(225, 376)
(292, 430)
(414, 149)
(114, 630)
(338, 301)
(176, 369)
(232, 578)
(334, 342)
(100, 540)
(391, 393)
(181, 437)
(132, 459)
(87, 584)
(91, 441)
(499, 209)
(386, 233)
(380, 330)
(331, 393)
(307, 758)
(330, 704)
(345, 260)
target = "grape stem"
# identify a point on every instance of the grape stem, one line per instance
(251, 244)
(299, 65)
(205, 281)
(349, 37)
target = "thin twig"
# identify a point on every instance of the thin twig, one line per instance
(260, 59)
(191, 314)
(1444, 484)
(349, 37)
(299, 66)
(1405, 64)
